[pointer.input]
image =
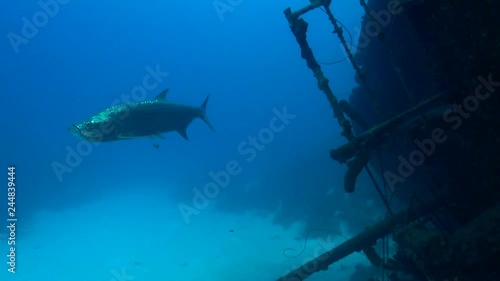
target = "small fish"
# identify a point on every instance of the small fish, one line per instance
(156, 145)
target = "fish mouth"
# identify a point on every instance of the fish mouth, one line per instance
(84, 134)
(77, 129)
(74, 129)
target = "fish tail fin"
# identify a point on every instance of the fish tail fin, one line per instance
(203, 114)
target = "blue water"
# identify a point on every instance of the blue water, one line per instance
(131, 211)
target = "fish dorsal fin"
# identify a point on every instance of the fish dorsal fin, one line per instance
(162, 95)
(183, 133)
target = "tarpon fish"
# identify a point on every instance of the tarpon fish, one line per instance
(140, 119)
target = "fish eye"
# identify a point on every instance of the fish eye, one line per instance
(88, 123)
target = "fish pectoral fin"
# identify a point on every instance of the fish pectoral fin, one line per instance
(183, 133)
(157, 136)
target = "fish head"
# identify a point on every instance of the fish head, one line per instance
(87, 131)
(94, 131)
